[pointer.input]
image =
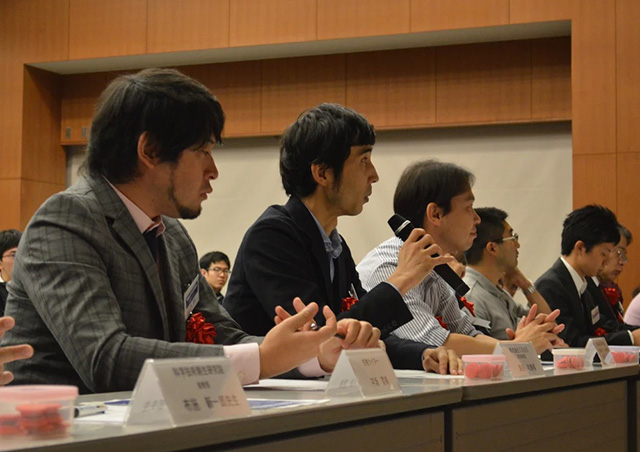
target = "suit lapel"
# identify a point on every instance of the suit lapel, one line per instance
(305, 222)
(576, 300)
(127, 230)
(173, 287)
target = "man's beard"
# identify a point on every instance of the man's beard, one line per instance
(184, 212)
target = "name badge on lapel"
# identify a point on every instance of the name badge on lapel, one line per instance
(192, 296)
(595, 315)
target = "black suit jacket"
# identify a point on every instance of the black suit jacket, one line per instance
(557, 287)
(3, 297)
(282, 256)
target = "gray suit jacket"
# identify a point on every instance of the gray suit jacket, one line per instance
(87, 294)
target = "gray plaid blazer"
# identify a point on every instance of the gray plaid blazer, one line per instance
(87, 294)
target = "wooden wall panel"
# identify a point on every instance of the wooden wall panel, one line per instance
(346, 19)
(594, 77)
(524, 11)
(594, 180)
(628, 76)
(98, 28)
(483, 82)
(254, 22)
(187, 25)
(33, 194)
(292, 85)
(238, 88)
(394, 88)
(628, 191)
(10, 218)
(453, 14)
(80, 94)
(43, 158)
(551, 78)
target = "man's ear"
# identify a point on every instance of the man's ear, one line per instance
(433, 214)
(491, 248)
(147, 151)
(203, 271)
(580, 247)
(321, 174)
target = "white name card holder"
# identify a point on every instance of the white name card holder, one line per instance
(599, 346)
(522, 359)
(185, 391)
(363, 373)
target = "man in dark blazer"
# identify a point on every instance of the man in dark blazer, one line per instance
(295, 249)
(589, 236)
(105, 267)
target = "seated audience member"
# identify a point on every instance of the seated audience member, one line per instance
(295, 249)
(215, 267)
(605, 282)
(9, 354)
(494, 253)
(466, 306)
(589, 236)
(438, 197)
(632, 314)
(105, 266)
(9, 240)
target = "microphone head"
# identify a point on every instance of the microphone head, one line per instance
(400, 226)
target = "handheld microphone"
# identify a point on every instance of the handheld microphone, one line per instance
(402, 228)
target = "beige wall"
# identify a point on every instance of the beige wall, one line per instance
(524, 169)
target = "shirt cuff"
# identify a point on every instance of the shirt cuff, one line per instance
(631, 337)
(312, 368)
(387, 282)
(245, 359)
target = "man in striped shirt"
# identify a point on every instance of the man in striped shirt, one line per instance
(438, 197)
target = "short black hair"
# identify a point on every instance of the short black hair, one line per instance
(213, 256)
(429, 181)
(176, 111)
(9, 238)
(490, 229)
(590, 224)
(323, 135)
(624, 232)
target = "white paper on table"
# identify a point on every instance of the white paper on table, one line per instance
(113, 415)
(290, 385)
(268, 404)
(421, 374)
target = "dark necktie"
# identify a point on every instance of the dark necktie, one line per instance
(151, 238)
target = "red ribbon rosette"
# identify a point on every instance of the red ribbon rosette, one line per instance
(600, 332)
(199, 330)
(467, 304)
(612, 295)
(347, 302)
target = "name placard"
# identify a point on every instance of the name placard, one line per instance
(186, 391)
(599, 346)
(522, 359)
(363, 373)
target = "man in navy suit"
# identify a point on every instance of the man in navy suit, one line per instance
(295, 250)
(589, 237)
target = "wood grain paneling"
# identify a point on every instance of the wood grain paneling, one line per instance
(33, 194)
(594, 77)
(346, 19)
(80, 94)
(483, 82)
(99, 28)
(237, 87)
(551, 78)
(628, 189)
(187, 25)
(524, 11)
(628, 76)
(10, 218)
(454, 14)
(594, 180)
(272, 21)
(43, 158)
(292, 85)
(393, 88)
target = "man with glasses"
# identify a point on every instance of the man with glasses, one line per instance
(438, 197)
(216, 267)
(9, 240)
(493, 255)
